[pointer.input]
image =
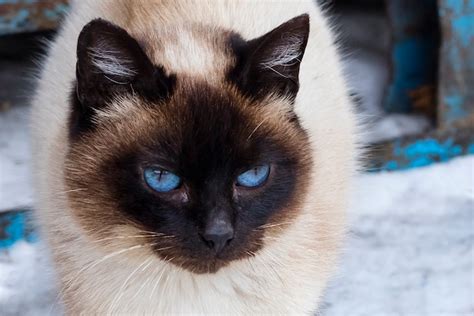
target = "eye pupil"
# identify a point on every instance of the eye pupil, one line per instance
(161, 173)
(254, 177)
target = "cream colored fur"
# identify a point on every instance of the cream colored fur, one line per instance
(289, 274)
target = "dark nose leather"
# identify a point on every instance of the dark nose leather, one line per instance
(218, 232)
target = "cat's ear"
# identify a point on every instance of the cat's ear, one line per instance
(111, 62)
(271, 63)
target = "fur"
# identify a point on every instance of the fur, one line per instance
(111, 63)
(113, 274)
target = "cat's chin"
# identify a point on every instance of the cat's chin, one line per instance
(209, 265)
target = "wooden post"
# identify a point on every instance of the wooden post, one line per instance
(456, 69)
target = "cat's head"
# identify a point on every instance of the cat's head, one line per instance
(199, 170)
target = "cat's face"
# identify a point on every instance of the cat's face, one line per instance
(199, 172)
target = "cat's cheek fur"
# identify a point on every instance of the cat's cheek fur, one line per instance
(103, 261)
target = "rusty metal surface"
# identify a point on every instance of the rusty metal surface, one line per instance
(30, 15)
(456, 69)
(414, 56)
(415, 87)
(15, 226)
(422, 150)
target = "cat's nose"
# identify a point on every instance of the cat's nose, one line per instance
(218, 233)
(218, 240)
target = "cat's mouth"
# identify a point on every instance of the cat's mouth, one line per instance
(202, 262)
(205, 265)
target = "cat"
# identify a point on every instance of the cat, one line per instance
(193, 156)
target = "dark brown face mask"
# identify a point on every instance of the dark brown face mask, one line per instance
(232, 163)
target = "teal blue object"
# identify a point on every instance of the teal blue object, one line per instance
(456, 93)
(18, 16)
(424, 152)
(438, 145)
(16, 226)
(414, 53)
(408, 153)
(413, 68)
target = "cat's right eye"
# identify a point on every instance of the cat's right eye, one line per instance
(254, 177)
(161, 180)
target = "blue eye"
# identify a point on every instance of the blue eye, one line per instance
(161, 180)
(254, 177)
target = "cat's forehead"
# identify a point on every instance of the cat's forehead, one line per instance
(198, 118)
(195, 51)
(196, 103)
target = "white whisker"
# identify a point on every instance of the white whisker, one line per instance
(124, 285)
(256, 128)
(90, 266)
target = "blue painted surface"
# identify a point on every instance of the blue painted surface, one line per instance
(456, 94)
(16, 226)
(415, 41)
(425, 152)
(455, 105)
(412, 70)
(57, 13)
(464, 27)
(30, 15)
(470, 149)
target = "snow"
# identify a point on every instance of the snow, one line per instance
(15, 90)
(26, 281)
(409, 251)
(15, 178)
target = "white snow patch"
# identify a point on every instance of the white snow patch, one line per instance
(26, 281)
(396, 125)
(410, 247)
(15, 175)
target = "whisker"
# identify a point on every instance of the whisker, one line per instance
(273, 225)
(120, 292)
(121, 237)
(165, 284)
(132, 236)
(148, 279)
(164, 248)
(62, 193)
(256, 128)
(270, 267)
(158, 280)
(90, 266)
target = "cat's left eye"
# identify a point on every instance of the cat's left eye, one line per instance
(254, 177)
(161, 180)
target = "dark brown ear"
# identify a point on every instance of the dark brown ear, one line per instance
(271, 63)
(109, 63)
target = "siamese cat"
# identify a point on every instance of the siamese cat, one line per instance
(193, 156)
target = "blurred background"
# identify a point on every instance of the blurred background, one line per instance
(410, 66)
